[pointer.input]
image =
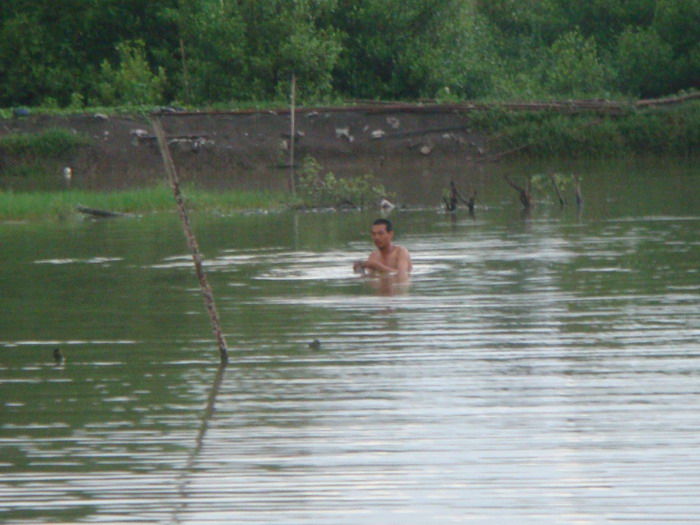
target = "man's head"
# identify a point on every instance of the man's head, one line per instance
(385, 222)
(382, 233)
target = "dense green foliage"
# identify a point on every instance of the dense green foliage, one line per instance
(663, 131)
(106, 52)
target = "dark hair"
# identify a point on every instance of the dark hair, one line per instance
(385, 222)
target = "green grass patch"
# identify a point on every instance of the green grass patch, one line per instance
(52, 142)
(62, 204)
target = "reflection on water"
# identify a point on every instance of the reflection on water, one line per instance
(539, 371)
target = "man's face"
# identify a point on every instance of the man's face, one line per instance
(380, 236)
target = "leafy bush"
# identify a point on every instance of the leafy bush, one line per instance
(663, 131)
(574, 68)
(316, 189)
(132, 82)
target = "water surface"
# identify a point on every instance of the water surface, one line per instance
(538, 369)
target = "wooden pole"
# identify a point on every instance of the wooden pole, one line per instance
(185, 77)
(292, 113)
(191, 240)
(579, 196)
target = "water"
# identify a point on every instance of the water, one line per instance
(540, 369)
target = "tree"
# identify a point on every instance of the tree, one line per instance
(644, 63)
(605, 20)
(678, 24)
(132, 82)
(247, 49)
(404, 48)
(51, 51)
(572, 67)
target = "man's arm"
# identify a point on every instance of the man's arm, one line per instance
(374, 262)
(405, 265)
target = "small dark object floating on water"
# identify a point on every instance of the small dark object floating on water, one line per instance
(57, 356)
(102, 214)
(315, 344)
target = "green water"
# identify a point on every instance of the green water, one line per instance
(537, 369)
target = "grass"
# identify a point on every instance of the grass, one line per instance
(52, 142)
(63, 204)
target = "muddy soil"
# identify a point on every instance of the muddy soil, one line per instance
(252, 149)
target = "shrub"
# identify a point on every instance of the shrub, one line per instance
(316, 189)
(132, 82)
(574, 68)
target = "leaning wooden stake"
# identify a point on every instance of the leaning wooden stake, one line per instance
(191, 240)
(292, 114)
(579, 196)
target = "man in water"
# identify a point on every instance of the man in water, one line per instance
(389, 258)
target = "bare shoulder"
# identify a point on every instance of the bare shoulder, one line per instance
(403, 259)
(403, 251)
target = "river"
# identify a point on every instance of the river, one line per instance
(539, 368)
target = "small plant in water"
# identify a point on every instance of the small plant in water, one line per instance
(559, 181)
(316, 189)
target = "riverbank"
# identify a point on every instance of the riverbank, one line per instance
(65, 204)
(251, 150)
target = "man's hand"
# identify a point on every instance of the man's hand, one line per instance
(359, 267)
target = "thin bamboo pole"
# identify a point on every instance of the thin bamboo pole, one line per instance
(185, 76)
(191, 240)
(292, 177)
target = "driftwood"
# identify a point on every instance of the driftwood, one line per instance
(143, 138)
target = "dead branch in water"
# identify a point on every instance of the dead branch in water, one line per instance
(454, 198)
(557, 190)
(525, 194)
